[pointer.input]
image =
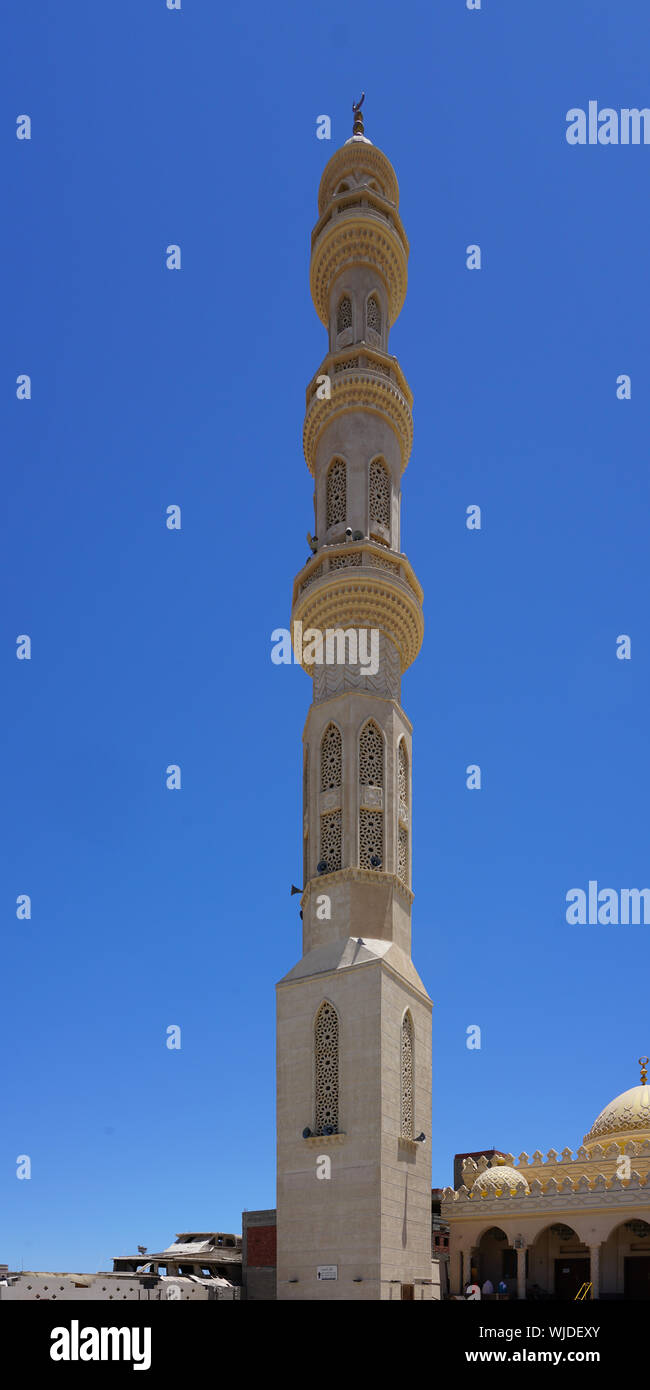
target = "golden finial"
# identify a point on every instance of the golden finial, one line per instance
(644, 1063)
(357, 127)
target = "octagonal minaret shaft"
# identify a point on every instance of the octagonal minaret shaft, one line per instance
(353, 1017)
(357, 439)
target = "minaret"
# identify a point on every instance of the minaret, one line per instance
(353, 1017)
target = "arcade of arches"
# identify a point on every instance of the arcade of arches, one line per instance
(565, 1226)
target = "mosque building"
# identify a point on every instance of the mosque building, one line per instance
(568, 1226)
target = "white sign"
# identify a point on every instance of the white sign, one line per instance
(327, 1272)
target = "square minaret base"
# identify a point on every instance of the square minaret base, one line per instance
(369, 1222)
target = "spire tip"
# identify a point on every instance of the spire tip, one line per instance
(357, 125)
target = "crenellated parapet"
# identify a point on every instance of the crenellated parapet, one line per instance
(597, 1168)
(581, 1190)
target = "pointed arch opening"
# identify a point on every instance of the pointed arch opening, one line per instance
(326, 1069)
(379, 494)
(337, 500)
(305, 814)
(331, 758)
(371, 782)
(344, 314)
(403, 817)
(371, 755)
(373, 318)
(407, 1078)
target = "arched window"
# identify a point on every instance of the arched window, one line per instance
(373, 315)
(403, 775)
(379, 493)
(403, 812)
(403, 855)
(331, 840)
(371, 774)
(336, 493)
(406, 1107)
(371, 756)
(344, 314)
(326, 1067)
(331, 758)
(305, 814)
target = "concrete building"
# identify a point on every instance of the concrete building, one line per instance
(353, 1017)
(198, 1265)
(51, 1287)
(194, 1254)
(564, 1226)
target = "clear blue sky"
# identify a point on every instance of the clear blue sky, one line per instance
(153, 908)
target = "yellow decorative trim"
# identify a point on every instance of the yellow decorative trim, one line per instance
(358, 388)
(362, 201)
(370, 599)
(371, 359)
(350, 157)
(353, 239)
(318, 567)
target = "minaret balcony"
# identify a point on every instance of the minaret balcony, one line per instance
(359, 232)
(367, 203)
(361, 378)
(361, 586)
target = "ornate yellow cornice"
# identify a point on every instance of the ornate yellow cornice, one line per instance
(353, 156)
(359, 236)
(364, 598)
(349, 555)
(361, 378)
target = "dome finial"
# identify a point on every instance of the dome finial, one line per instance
(644, 1062)
(357, 126)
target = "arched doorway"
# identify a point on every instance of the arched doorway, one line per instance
(495, 1260)
(559, 1264)
(625, 1261)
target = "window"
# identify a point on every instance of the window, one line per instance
(403, 774)
(371, 774)
(371, 839)
(331, 840)
(326, 1056)
(402, 812)
(336, 493)
(379, 493)
(373, 315)
(344, 314)
(331, 758)
(403, 855)
(371, 756)
(305, 812)
(407, 1077)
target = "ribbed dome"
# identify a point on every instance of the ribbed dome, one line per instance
(494, 1180)
(628, 1114)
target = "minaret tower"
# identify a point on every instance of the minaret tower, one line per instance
(354, 1019)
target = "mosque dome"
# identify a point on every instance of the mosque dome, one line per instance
(494, 1180)
(626, 1117)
